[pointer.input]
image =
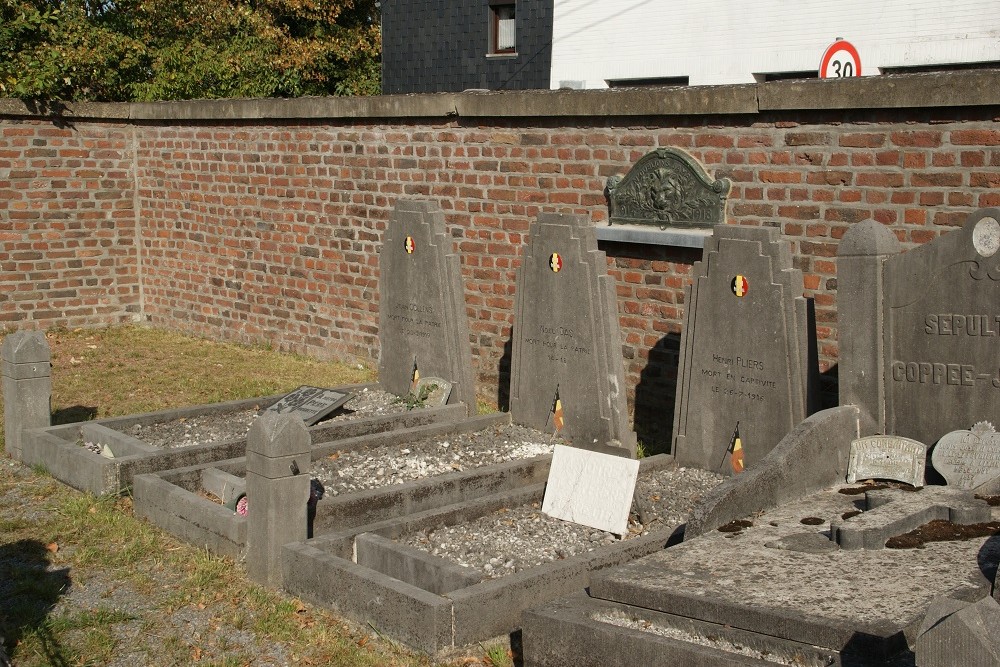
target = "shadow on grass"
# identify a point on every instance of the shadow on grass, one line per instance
(73, 414)
(28, 591)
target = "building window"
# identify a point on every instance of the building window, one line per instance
(503, 36)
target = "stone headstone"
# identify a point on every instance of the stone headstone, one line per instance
(924, 327)
(277, 491)
(746, 365)
(567, 373)
(968, 459)
(423, 326)
(887, 457)
(310, 404)
(25, 364)
(590, 488)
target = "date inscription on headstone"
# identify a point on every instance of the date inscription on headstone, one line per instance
(311, 403)
(968, 459)
(887, 457)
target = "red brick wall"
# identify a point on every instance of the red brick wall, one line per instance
(67, 225)
(270, 232)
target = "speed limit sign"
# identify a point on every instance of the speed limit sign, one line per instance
(840, 61)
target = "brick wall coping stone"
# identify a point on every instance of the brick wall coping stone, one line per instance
(938, 89)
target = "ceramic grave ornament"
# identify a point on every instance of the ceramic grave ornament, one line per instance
(968, 459)
(423, 327)
(567, 375)
(921, 329)
(745, 377)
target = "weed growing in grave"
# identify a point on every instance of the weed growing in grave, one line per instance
(418, 399)
(497, 655)
(640, 450)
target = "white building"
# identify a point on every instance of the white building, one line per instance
(634, 42)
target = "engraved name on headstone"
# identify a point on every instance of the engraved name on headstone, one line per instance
(887, 457)
(933, 367)
(745, 377)
(567, 373)
(968, 459)
(423, 326)
(311, 404)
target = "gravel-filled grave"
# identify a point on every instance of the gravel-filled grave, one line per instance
(377, 467)
(514, 539)
(223, 427)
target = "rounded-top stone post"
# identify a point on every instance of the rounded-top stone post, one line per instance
(278, 461)
(26, 367)
(860, 320)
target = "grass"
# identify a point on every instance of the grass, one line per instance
(83, 579)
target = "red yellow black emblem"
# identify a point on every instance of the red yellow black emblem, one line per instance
(740, 286)
(555, 262)
(410, 245)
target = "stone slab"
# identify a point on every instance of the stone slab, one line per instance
(566, 344)
(890, 512)
(746, 360)
(865, 602)
(968, 636)
(423, 325)
(590, 488)
(414, 566)
(887, 457)
(968, 459)
(580, 630)
(311, 404)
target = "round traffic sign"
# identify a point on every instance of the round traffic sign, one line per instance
(840, 61)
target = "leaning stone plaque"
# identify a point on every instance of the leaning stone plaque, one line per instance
(567, 374)
(887, 457)
(934, 363)
(423, 328)
(311, 404)
(667, 188)
(590, 488)
(746, 374)
(968, 459)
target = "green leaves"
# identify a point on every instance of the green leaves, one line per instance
(143, 50)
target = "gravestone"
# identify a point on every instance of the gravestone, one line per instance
(310, 404)
(279, 456)
(423, 326)
(746, 375)
(969, 459)
(590, 488)
(923, 327)
(887, 457)
(567, 374)
(25, 364)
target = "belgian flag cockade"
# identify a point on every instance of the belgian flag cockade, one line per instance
(736, 451)
(557, 413)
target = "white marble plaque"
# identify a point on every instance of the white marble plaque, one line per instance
(591, 488)
(968, 459)
(887, 457)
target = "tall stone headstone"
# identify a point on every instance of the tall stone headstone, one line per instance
(423, 324)
(746, 376)
(932, 319)
(25, 364)
(567, 373)
(279, 458)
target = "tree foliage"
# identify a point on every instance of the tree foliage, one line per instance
(141, 50)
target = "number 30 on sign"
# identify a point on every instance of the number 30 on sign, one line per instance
(840, 61)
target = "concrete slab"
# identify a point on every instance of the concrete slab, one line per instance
(858, 602)
(56, 448)
(478, 611)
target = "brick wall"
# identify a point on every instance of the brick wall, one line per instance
(268, 230)
(67, 224)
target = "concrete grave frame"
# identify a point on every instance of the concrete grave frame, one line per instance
(171, 498)
(436, 605)
(56, 449)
